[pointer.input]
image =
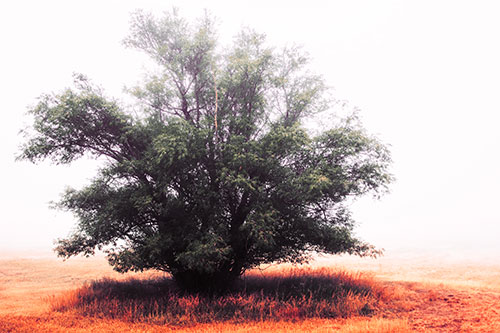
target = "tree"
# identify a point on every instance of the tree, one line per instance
(217, 174)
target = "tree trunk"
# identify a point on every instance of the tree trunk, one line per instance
(203, 282)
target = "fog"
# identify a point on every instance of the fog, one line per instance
(425, 76)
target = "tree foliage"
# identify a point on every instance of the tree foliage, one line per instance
(218, 174)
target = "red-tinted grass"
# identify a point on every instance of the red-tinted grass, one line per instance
(285, 295)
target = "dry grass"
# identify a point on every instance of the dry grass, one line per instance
(26, 283)
(395, 296)
(62, 323)
(289, 295)
(66, 323)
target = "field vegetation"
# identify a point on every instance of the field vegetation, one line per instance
(84, 295)
(287, 295)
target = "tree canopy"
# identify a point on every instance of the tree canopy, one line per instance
(217, 174)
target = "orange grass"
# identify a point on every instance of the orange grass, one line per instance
(63, 323)
(413, 294)
(293, 294)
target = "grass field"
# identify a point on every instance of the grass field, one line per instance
(331, 295)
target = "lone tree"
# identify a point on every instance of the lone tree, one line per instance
(217, 174)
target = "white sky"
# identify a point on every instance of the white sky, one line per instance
(425, 74)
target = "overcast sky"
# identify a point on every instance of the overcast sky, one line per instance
(425, 74)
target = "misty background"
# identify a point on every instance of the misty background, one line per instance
(425, 76)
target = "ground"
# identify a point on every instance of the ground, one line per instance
(427, 294)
